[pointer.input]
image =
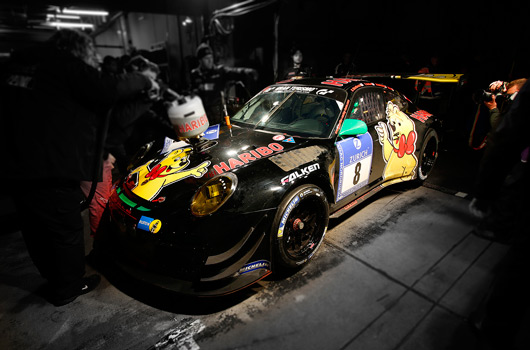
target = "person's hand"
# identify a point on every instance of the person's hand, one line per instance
(491, 104)
(252, 73)
(498, 85)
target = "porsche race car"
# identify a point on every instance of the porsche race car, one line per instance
(211, 216)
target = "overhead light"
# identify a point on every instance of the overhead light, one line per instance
(85, 12)
(69, 25)
(187, 21)
(62, 16)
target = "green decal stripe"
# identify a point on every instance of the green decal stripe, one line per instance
(127, 200)
(143, 209)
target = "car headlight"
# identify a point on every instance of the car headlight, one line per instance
(213, 194)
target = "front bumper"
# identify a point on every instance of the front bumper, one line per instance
(206, 256)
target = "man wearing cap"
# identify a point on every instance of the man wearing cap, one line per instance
(208, 80)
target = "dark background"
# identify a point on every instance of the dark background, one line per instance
(490, 38)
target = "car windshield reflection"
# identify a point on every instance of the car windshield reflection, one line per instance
(293, 113)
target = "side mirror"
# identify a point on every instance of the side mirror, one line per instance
(352, 127)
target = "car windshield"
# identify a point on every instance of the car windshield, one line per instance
(293, 113)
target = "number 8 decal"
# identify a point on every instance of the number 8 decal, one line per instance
(357, 173)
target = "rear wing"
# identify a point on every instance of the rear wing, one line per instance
(438, 78)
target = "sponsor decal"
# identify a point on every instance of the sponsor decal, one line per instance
(300, 173)
(421, 115)
(278, 137)
(212, 133)
(355, 162)
(357, 143)
(148, 180)
(356, 87)
(195, 124)
(170, 145)
(290, 140)
(305, 89)
(290, 207)
(337, 81)
(384, 86)
(253, 266)
(149, 224)
(324, 92)
(247, 157)
(398, 140)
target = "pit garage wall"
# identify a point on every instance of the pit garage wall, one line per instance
(168, 40)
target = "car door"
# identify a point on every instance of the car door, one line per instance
(360, 163)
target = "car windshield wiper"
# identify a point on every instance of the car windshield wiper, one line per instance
(246, 108)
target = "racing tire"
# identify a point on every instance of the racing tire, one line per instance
(299, 227)
(428, 155)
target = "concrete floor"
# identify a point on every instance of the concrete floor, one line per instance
(401, 272)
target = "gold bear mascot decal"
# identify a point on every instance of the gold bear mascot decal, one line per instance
(398, 137)
(148, 180)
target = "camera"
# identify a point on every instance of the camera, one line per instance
(481, 96)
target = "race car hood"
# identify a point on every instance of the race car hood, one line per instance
(178, 168)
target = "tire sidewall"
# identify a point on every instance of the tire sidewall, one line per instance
(286, 207)
(431, 133)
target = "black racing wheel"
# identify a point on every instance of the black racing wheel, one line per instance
(428, 154)
(299, 227)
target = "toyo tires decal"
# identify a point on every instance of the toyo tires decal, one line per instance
(293, 203)
(355, 156)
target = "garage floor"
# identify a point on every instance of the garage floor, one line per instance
(401, 272)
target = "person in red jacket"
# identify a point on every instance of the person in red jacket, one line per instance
(53, 107)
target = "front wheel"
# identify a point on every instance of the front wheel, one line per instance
(299, 227)
(428, 154)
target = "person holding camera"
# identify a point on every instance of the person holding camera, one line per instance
(500, 98)
(502, 176)
(503, 182)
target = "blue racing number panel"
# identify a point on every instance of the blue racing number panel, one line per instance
(355, 163)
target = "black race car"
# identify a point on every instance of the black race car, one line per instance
(212, 215)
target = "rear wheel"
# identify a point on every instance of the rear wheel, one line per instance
(428, 154)
(299, 227)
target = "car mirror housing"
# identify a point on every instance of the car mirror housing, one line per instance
(352, 127)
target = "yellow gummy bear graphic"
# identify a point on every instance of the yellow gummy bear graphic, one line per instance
(152, 178)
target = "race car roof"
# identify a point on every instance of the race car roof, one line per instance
(332, 82)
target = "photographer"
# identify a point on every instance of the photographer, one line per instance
(504, 181)
(502, 175)
(500, 98)
(497, 100)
